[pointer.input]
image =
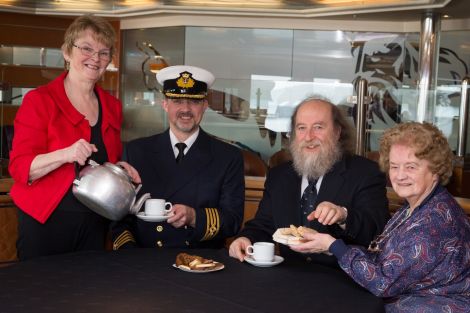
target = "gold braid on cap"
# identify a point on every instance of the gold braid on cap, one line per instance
(183, 95)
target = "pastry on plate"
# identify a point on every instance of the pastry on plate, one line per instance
(194, 262)
(291, 235)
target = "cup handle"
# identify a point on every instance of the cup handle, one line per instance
(249, 250)
(170, 209)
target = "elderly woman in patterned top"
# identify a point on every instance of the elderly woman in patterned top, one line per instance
(421, 261)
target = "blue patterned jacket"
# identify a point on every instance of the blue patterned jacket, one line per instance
(424, 265)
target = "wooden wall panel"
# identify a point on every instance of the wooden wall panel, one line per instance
(43, 31)
(28, 76)
(32, 30)
(8, 234)
(8, 223)
(9, 113)
(14, 35)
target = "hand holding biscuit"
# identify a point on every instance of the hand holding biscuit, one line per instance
(314, 243)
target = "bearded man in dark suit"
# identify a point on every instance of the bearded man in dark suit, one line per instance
(201, 176)
(325, 187)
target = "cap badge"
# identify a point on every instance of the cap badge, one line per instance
(185, 80)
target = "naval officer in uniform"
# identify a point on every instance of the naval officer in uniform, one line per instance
(201, 176)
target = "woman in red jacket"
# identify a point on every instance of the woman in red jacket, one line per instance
(69, 120)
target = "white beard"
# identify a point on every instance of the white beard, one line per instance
(314, 165)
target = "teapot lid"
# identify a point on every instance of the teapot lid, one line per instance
(117, 169)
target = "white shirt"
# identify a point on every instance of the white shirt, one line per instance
(189, 142)
(305, 184)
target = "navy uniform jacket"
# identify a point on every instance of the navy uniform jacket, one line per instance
(210, 179)
(354, 182)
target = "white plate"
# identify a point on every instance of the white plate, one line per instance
(289, 240)
(277, 259)
(153, 218)
(286, 239)
(218, 267)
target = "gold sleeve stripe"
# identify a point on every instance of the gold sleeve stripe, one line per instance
(209, 224)
(212, 223)
(122, 239)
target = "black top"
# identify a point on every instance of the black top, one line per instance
(96, 138)
(69, 202)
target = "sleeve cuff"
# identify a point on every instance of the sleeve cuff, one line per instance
(342, 224)
(124, 240)
(338, 248)
(212, 224)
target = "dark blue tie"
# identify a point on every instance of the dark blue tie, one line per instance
(308, 201)
(180, 146)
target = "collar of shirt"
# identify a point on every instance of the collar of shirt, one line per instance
(305, 184)
(189, 142)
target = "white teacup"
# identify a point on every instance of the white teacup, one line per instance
(261, 251)
(157, 207)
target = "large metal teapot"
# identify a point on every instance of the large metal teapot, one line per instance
(108, 190)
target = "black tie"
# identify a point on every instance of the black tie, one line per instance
(308, 201)
(180, 146)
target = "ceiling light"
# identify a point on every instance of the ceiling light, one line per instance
(136, 2)
(232, 3)
(361, 2)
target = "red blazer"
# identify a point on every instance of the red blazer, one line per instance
(47, 121)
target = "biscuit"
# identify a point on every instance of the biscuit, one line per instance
(205, 265)
(292, 235)
(304, 230)
(294, 231)
(193, 262)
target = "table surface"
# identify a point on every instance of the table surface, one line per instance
(143, 280)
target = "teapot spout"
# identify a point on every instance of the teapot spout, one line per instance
(138, 205)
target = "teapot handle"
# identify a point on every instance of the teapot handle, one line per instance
(77, 170)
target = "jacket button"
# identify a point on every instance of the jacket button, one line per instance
(187, 243)
(159, 243)
(308, 259)
(159, 228)
(185, 226)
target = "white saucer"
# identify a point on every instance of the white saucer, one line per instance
(277, 259)
(153, 218)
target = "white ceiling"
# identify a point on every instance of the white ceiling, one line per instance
(367, 9)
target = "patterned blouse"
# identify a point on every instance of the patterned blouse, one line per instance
(423, 262)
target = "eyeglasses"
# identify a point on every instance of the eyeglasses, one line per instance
(104, 55)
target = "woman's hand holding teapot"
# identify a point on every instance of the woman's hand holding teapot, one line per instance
(43, 164)
(79, 152)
